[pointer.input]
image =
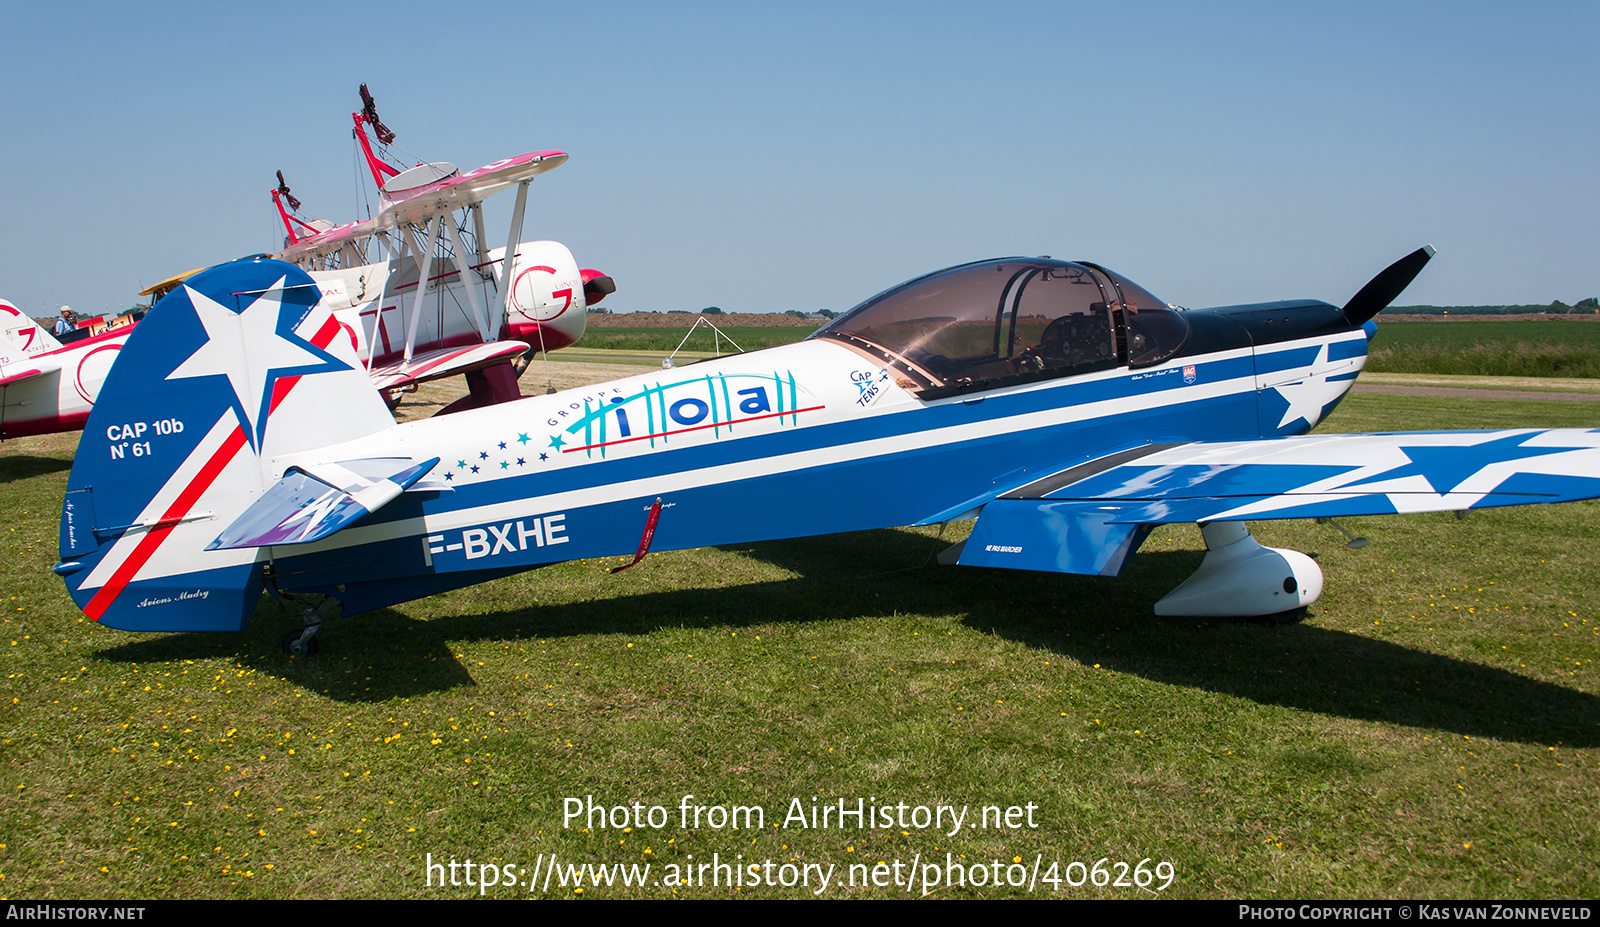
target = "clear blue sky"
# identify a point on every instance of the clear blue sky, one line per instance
(763, 156)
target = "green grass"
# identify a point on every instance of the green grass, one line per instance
(1503, 349)
(1431, 729)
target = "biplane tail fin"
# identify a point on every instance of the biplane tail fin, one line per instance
(230, 374)
(21, 336)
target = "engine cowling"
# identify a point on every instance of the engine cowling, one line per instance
(547, 307)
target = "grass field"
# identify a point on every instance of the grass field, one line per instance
(1430, 730)
(664, 340)
(1497, 349)
(1517, 348)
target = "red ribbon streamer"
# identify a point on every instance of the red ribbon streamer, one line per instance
(649, 535)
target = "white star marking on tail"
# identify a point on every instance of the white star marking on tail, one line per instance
(246, 348)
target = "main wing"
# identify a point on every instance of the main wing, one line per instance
(1089, 518)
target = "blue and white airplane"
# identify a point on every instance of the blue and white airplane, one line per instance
(239, 447)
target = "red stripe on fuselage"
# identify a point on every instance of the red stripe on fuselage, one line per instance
(121, 331)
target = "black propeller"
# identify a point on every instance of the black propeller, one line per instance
(1381, 290)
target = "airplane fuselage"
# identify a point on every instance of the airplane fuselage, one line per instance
(805, 439)
(375, 302)
(981, 390)
(56, 390)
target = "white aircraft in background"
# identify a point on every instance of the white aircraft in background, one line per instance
(45, 387)
(478, 312)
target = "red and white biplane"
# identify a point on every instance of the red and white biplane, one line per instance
(45, 387)
(478, 312)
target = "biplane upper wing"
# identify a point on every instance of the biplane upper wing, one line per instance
(1090, 518)
(328, 241)
(158, 290)
(417, 205)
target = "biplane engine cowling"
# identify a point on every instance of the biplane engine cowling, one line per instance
(1240, 578)
(547, 306)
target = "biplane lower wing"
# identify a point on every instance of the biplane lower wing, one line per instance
(445, 362)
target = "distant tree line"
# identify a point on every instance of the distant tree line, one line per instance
(716, 310)
(1582, 306)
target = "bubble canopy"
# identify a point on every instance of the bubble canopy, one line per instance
(1010, 320)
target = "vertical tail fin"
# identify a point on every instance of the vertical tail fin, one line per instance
(236, 367)
(20, 336)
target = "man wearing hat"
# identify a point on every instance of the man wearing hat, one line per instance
(67, 322)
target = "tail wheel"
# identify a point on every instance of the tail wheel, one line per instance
(294, 646)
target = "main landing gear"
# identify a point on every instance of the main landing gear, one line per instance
(1241, 579)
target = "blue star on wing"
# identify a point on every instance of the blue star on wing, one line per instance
(1447, 467)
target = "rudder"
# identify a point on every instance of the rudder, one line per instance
(236, 367)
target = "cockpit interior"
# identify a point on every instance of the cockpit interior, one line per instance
(1009, 321)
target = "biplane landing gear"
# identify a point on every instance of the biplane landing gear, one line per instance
(304, 641)
(392, 397)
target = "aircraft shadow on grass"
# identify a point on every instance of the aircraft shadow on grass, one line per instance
(842, 577)
(27, 466)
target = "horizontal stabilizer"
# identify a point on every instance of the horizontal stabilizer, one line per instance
(27, 374)
(314, 502)
(446, 362)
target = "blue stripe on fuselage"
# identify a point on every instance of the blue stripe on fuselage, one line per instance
(901, 487)
(1239, 421)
